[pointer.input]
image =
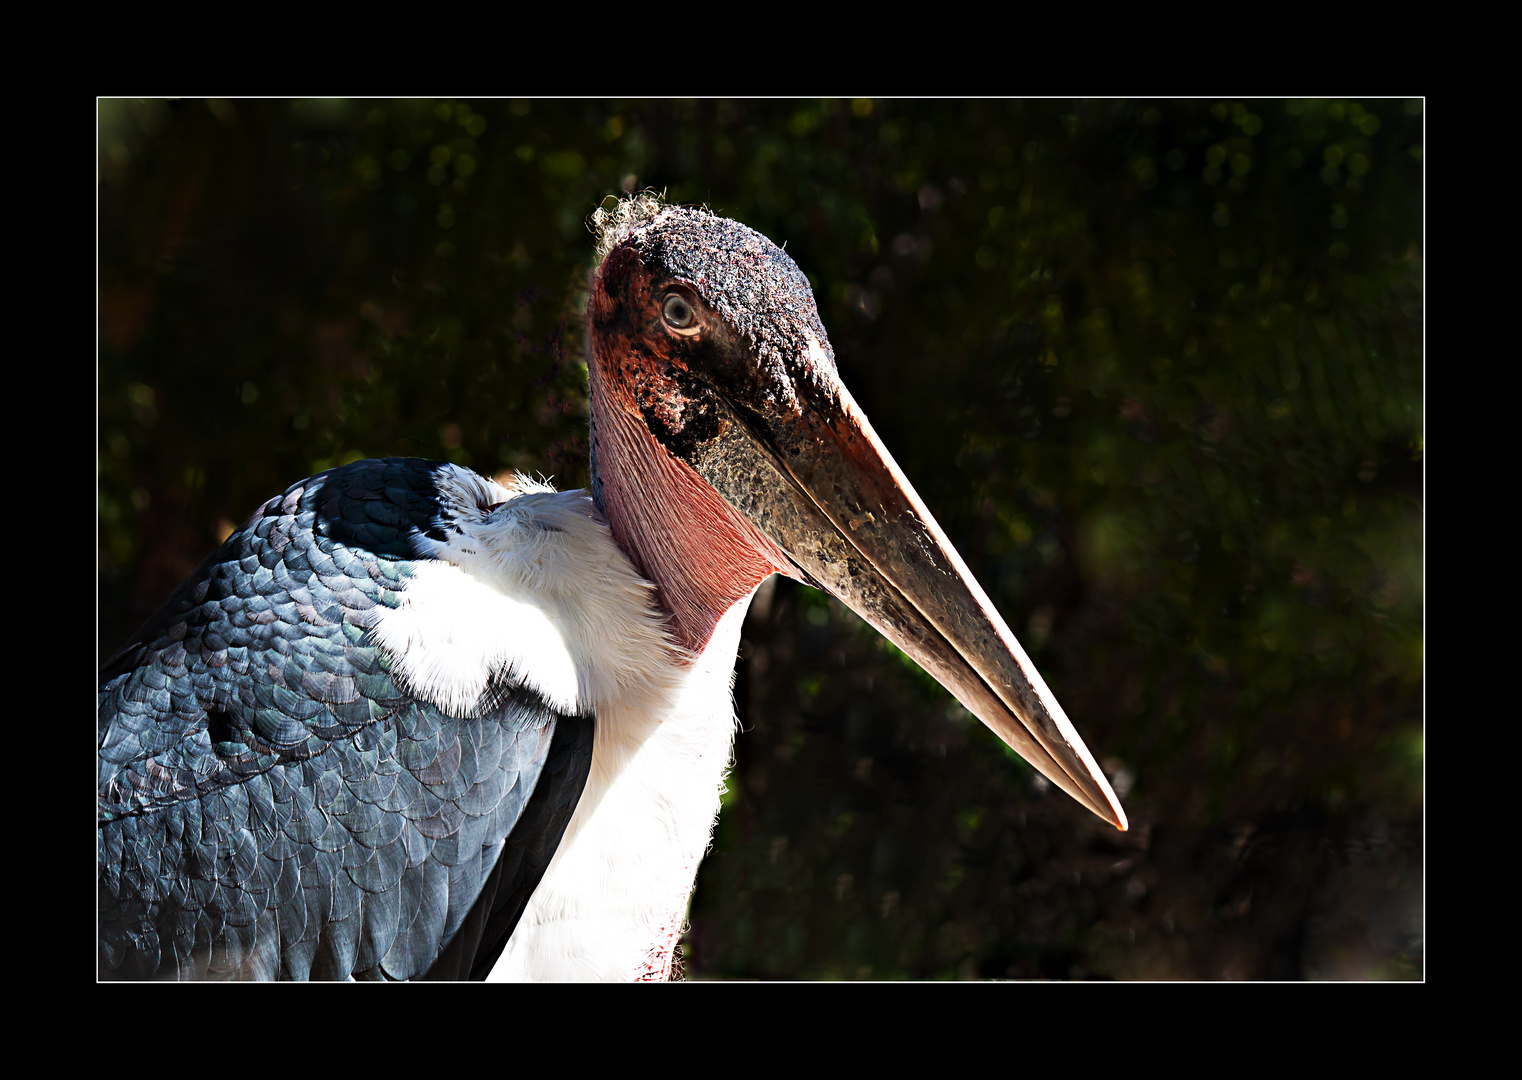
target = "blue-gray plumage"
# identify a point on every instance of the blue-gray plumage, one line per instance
(273, 803)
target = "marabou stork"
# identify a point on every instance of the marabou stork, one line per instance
(408, 722)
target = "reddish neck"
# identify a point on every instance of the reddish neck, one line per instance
(701, 553)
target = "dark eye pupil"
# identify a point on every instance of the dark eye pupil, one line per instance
(677, 312)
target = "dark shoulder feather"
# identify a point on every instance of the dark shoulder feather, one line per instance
(271, 803)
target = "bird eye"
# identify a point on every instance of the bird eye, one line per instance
(679, 314)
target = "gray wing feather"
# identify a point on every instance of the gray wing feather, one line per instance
(273, 805)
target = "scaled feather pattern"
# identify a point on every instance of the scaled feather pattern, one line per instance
(274, 803)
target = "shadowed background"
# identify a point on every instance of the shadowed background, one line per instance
(1155, 366)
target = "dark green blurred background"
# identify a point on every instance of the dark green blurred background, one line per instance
(1155, 366)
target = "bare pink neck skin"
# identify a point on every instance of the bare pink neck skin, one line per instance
(701, 553)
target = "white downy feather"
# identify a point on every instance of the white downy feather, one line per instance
(537, 586)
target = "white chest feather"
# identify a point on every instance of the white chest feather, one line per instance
(538, 586)
(613, 900)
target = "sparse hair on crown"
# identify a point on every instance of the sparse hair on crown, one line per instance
(630, 213)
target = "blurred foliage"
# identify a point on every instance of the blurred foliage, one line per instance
(1155, 365)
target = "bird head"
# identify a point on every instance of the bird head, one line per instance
(722, 423)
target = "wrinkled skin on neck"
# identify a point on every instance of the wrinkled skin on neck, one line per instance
(701, 553)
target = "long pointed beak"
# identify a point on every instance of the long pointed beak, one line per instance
(827, 492)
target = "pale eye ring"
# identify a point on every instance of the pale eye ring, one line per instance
(679, 315)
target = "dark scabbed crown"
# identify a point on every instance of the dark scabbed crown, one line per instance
(751, 283)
